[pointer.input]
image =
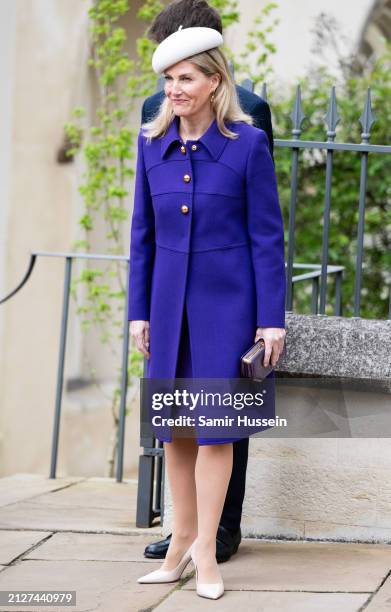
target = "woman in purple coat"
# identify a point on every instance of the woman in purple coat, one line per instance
(207, 269)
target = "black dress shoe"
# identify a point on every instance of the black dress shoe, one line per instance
(226, 545)
(158, 550)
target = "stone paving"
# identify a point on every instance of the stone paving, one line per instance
(80, 534)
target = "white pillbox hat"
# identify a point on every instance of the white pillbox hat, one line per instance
(184, 43)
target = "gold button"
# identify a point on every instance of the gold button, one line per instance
(184, 209)
(186, 178)
(183, 149)
(194, 147)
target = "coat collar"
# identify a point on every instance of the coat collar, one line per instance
(213, 139)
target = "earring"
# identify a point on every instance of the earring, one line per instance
(212, 98)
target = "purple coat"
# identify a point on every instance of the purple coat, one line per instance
(207, 233)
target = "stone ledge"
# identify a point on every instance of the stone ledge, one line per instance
(337, 347)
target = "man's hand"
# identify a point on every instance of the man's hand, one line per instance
(139, 330)
(274, 338)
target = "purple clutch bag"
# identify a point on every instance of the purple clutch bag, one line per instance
(251, 362)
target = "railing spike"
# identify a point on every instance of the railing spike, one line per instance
(297, 114)
(264, 91)
(367, 118)
(332, 116)
(248, 84)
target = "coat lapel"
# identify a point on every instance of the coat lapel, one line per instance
(213, 140)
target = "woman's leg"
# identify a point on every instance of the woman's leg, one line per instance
(212, 474)
(180, 458)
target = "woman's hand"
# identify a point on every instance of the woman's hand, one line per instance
(139, 330)
(274, 338)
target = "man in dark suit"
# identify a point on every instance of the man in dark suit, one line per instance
(190, 13)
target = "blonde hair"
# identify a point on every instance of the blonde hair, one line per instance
(226, 105)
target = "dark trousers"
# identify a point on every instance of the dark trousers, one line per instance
(232, 511)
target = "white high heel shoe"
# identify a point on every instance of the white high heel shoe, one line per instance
(212, 590)
(167, 575)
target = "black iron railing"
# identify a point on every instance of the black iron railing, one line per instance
(68, 259)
